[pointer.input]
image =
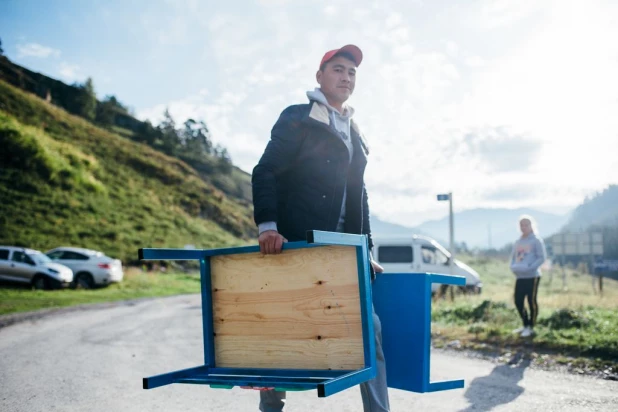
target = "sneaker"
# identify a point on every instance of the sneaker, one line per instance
(527, 332)
(519, 330)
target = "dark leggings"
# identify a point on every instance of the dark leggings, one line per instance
(527, 288)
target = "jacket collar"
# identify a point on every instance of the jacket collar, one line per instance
(319, 113)
(319, 116)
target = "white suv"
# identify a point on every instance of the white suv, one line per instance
(28, 266)
(91, 268)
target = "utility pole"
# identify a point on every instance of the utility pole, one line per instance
(449, 197)
(452, 230)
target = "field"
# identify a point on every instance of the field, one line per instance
(577, 325)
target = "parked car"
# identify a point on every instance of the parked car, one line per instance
(421, 254)
(29, 266)
(92, 268)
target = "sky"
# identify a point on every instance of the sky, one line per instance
(504, 103)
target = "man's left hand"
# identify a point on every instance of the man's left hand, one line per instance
(376, 267)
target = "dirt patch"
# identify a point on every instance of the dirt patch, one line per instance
(514, 354)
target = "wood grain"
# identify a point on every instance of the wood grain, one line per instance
(299, 309)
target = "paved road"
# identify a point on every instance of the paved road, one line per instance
(94, 360)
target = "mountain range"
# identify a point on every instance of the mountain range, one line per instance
(478, 228)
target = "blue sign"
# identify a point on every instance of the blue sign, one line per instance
(444, 197)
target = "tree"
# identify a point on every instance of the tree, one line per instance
(224, 161)
(107, 110)
(115, 103)
(1, 51)
(147, 133)
(106, 114)
(86, 100)
(195, 138)
(170, 141)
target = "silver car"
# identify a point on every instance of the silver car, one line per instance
(92, 268)
(29, 266)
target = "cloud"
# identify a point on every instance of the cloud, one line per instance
(70, 72)
(492, 14)
(36, 50)
(501, 152)
(514, 192)
(330, 10)
(494, 103)
(228, 118)
(474, 61)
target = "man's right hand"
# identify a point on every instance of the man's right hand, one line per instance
(271, 242)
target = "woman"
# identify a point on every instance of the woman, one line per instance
(527, 257)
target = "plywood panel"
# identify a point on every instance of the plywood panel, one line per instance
(299, 309)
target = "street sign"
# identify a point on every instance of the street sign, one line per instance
(443, 197)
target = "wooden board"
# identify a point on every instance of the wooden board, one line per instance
(296, 310)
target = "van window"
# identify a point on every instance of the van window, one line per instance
(433, 256)
(395, 254)
(4, 254)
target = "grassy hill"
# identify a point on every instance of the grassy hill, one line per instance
(599, 213)
(64, 181)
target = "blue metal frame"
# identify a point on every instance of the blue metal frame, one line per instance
(403, 302)
(327, 382)
(207, 321)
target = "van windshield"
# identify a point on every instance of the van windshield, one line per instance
(441, 249)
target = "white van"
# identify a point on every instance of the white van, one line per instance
(422, 254)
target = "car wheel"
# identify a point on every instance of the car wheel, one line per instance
(473, 290)
(39, 282)
(84, 281)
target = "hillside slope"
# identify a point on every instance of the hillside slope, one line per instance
(598, 210)
(599, 213)
(64, 181)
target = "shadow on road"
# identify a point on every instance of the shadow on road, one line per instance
(499, 387)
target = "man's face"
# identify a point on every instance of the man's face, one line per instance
(337, 80)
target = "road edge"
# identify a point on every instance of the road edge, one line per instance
(20, 317)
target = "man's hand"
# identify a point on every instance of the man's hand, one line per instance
(376, 267)
(271, 242)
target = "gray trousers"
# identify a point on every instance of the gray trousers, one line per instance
(373, 392)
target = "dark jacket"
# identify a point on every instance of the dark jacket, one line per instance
(300, 178)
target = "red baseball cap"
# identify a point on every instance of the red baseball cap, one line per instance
(350, 48)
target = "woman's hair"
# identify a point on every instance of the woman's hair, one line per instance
(530, 219)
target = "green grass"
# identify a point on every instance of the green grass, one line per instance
(122, 131)
(577, 320)
(136, 284)
(66, 182)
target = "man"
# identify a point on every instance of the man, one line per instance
(310, 177)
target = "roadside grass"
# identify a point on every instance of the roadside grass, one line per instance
(576, 324)
(136, 284)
